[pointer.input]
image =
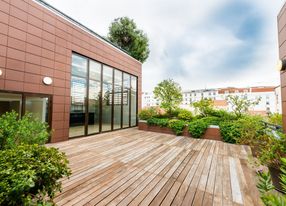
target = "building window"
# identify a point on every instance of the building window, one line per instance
(102, 98)
(78, 96)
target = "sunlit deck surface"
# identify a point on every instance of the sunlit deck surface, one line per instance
(132, 167)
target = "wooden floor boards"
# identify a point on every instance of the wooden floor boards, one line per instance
(132, 167)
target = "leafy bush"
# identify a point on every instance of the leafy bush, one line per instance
(177, 126)
(230, 131)
(158, 122)
(268, 196)
(222, 114)
(275, 118)
(273, 151)
(198, 127)
(211, 120)
(204, 107)
(27, 130)
(148, 113)
(185, 114)
(30, 173)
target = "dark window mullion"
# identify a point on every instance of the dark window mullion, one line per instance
(122, 88)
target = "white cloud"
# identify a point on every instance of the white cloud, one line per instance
(184, 43)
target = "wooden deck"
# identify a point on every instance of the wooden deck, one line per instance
(132, 167)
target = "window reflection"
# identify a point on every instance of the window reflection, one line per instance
(126, 99)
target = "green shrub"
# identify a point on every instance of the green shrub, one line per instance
(26, 130)
(222, 114)
(275, 118)
(158, 122)
(30, 173)
(185, 114)
(211, 120)
(198, 127)
(268, 196)
(230, 131)
(148, 113)
(177, 126)
(273, 151)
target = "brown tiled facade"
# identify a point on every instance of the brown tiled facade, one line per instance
(282, 55)
(36, 42)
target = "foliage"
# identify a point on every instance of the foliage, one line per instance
(247, 130)
(30, 173)
(273, 151)
(158, 122)
(177, 126)
(185, 114)
(268, 197)
(275, 118)
(198, 127)
(124, 33)
(241, 105)
(251, 128)
(169, 93)
(230, 131)
(222, 114)
(204, 107)
(264, 182)
(148, 113)
(27, 130)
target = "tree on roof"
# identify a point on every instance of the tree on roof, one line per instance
(124, 33)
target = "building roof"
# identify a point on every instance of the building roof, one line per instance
(246, 89)
(81, 26)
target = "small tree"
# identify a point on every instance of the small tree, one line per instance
(124, 33)
(170, 95)
(241, 105)
(204, 107)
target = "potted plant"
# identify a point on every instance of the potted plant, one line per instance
(271, 156)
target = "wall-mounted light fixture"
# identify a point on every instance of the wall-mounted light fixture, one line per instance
(47, 80)
(281, 65)
(1, 72)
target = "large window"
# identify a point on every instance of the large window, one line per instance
(102, 98)
(107, 96)
(126, 100)
(94, 97)
(133, 101)
(78, 96)
(117, 99)
(22, 103)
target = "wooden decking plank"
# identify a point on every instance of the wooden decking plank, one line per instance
(145, 168)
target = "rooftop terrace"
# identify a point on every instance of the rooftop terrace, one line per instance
(132, 167)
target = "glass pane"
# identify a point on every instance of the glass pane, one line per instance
(93, 107)
(79, 65)
(10, 102)
(133, 101)
(107, 98)
(126, 99)
(94, 70)
(77, 110)
(38, 106)
(117, 99)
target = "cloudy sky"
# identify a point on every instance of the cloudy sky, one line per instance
(200, 44)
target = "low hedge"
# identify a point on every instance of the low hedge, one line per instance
(176, 125)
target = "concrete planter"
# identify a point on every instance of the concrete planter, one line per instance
(212, 133)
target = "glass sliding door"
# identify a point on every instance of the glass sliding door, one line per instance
(38, 106)
(126, 100)
(107, 97)
(94, 97)
(117, 99)
(78, 96)
(133, 101)
(102, 98)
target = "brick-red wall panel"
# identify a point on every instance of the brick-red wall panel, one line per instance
(35, 42)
